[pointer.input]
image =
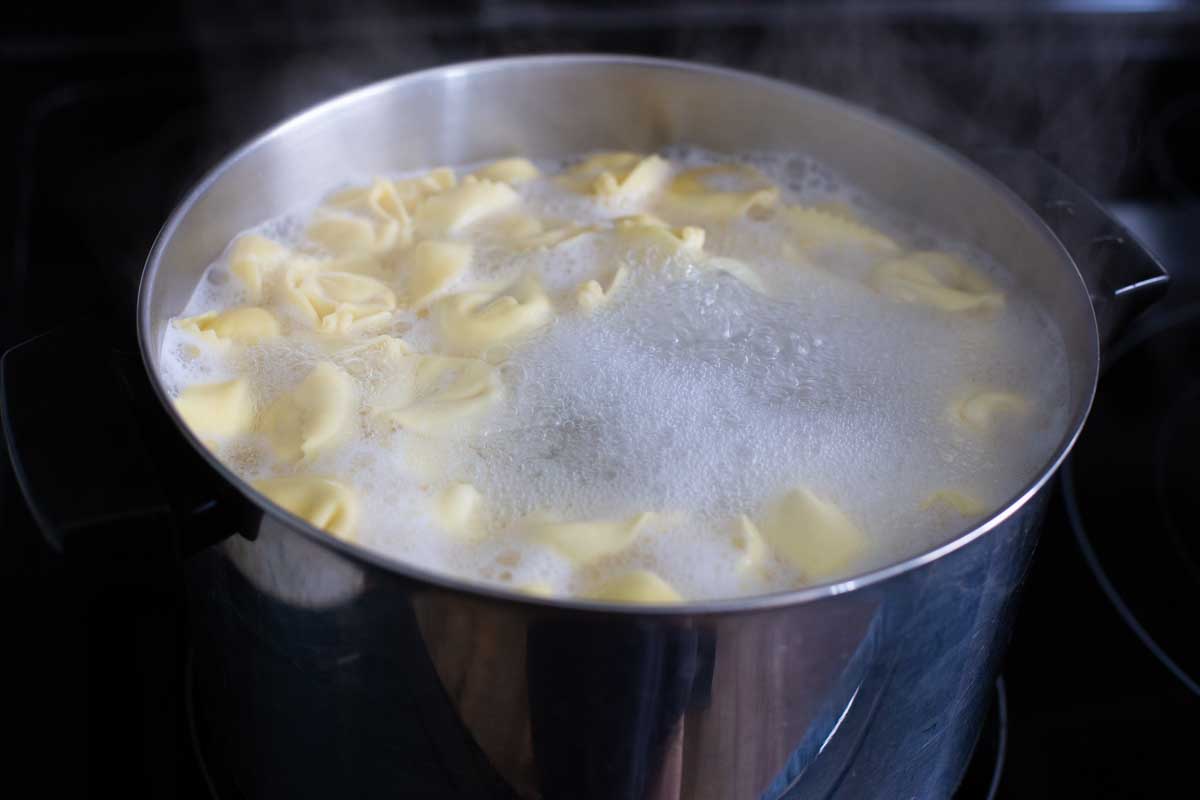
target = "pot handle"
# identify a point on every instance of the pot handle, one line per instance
(1122, 276)
(105, 475)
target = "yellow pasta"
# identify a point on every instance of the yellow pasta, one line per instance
(936, 279)
(592, 294)
(337, 302)
(313, 417)
(217, 410)
(963, 503)
(252, 259)
(980, 411)
(471, 322)
(814, 230)
(639, 586)
(589, 541)
(454, 210)
(322, 502)
(431, 268)
(435, 395)
(811, 535)
(457, 509)
(705, 192)
(509, 170)
(247, 325)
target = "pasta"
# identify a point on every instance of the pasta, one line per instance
(586, 542)
(457, 510)
(313, 417)
(509, 170)
(438, 395)
(247, 325)
(432, 267)
(470, 322)
(601, 382)
(337, 302)
(700, 192)
(980, 411)
(321, 502)
(812, 535)
(217, 410)
(453, 210)
(253, 258)
(640, 586)
(936, 279)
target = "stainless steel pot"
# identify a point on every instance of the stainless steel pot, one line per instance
(326, 670)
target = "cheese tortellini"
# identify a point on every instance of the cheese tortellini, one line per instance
(247, 325)
(338, 302)
(453, 210)
(812, 535)
(438, 395)
(720, 191)
(217, 410)
(587, 541)
(980, 411)
(816, 230)
(639, 586)
(936, 279)
(322, 502)
(313, 417)
(619, 178)
(253, 259)
(471, 322)
(387, 339)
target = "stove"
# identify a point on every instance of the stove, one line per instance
(115, 113)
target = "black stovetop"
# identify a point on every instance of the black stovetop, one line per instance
(115, 111)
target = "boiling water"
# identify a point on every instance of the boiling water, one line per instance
(689, 394)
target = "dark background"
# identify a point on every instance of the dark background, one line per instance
(113, 110)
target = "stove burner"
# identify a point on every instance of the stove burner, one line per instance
(1128, 489)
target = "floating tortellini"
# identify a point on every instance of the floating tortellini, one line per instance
(217, 410)
(436, 395)
(752, 548)
(247, 325)
(936, 279)
(815, 229)
(395, 199)
(557, 235)
(719, 192)
(955, 500)
(313, 417)
(812, 535)
(322, 502)
(457, 510)
(431, 267)
(453, 210)
(619, 177)
(647, 231)
(471, 322)
(383, 202)
(253, 259)
(639, 586)
(589, 541)
(509, 170)
(981, 410)
(338, 302)
(592, 294)
(384, 222)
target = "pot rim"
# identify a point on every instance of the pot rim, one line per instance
(723, 606)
